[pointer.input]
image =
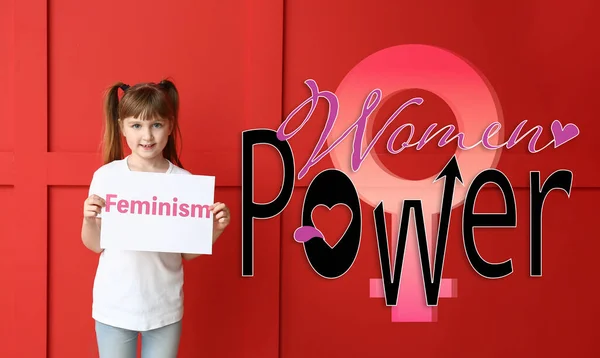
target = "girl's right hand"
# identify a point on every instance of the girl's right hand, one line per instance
(92, 206)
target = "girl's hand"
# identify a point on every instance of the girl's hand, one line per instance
(92, 206)
(221, 216)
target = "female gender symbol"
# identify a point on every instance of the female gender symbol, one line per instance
(473, 103)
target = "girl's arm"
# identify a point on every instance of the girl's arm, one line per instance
(90, 234)
(90, 228)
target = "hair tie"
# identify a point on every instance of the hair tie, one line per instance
(124, 87)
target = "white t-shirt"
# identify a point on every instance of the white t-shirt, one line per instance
(132, 289)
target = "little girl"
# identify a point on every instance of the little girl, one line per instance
(139, 292)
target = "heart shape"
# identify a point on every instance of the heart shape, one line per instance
(563, 134)
(328, 224)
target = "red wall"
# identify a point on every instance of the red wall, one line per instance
(242, 65)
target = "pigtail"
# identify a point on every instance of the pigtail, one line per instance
(112, 147)
(170, 151)
(173, 94)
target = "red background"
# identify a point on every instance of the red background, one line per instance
(242, 65)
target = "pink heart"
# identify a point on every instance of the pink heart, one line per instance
(563, 134)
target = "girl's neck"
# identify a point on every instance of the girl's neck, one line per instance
(158, 164)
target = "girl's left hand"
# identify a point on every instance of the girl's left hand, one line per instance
(221, 216)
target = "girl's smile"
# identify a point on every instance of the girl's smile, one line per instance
(146, 138)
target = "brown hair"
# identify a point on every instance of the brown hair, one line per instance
(143, 101)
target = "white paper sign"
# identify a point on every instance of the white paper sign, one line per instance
(157, 212)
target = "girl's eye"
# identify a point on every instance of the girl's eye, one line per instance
(135, 126)
(157, 125)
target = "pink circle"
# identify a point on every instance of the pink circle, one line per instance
(466, 92)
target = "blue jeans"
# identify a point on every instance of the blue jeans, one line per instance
(122, 343)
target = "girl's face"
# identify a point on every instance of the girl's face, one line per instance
(146, 138)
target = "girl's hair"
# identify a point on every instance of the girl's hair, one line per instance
(142, 101)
